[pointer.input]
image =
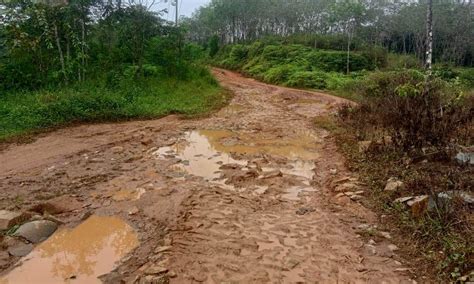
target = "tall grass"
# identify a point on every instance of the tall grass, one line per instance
(24, 111)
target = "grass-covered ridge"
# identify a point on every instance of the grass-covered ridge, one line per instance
(301, 66)
(92, 101)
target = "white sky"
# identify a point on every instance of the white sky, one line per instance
(187, 7)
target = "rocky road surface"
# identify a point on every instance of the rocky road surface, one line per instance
(254, 193)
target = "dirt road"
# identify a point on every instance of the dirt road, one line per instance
(252, 194)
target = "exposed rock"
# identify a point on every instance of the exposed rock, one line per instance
(156, 269)
(464, 196)
(392, 247)
(333, 171)
(162, 249)
(9, 219)
(20, 250)
(403, 199)
(356, 197)
(4, 259)
(36, 231)
(304, 211)
(348, 186)
(272, 174)
(364, 146)
(117, 149)
(146, 141)
(58, 205)
(133, 211)
(393, 184)
(465, 158)
(385, 235)
(419, 205)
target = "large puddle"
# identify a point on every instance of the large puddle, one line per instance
(203, 152)
(77, 255)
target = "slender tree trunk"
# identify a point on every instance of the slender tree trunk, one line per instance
(429, 38)
(349, 39)
(83, 55)
(60, 51)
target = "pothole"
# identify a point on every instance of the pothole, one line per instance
(202, 153)
(78, 255)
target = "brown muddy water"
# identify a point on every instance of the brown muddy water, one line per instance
(78, 255)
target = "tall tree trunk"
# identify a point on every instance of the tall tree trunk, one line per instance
(83, 55)
(60, 51)
(349, 39)
(429, 38)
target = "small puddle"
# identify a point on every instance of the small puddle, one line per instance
(78, 255)
(199, 154)
(128, 194)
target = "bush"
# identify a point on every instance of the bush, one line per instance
(336, 61)
(279, 74)
(308, 79)
(416, 113)
(466, 76)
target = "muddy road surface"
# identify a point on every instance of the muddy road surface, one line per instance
(254, 193)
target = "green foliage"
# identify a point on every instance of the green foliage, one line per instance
(308, 79)
(22, 112)
(466, 76)
(213, 46)
(296, 65)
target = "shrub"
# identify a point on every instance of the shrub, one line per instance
(336, 61)
(466, 76)
(279, 74)
(415, 112)
(308, 79)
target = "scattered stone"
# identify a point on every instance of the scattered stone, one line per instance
(172, 274)
(419, 205)
(348, 186)
(20, 250)
(393, 184)
(9, 219)
(147, 141)
(117, 149)
(372, 242)
(356, 197)
(392, 247)
(464, 196)
(333, 171)
(4, 258)
(133, 211)
(370, 249)
(304, 211)
(36, 231)
(364, 146)
(385, 235)
(58, 205)
(465, 158)
(403, 199)
(162, 249)
(156, 269)
(272, 174)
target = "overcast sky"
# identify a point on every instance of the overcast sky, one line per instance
(187, 7)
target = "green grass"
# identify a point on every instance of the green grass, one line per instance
(28, 111)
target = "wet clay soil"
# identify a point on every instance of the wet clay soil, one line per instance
(246, 195)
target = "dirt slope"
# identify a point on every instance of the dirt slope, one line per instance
(246, 195)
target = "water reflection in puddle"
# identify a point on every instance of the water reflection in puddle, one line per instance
(79, 255)
(199, 155)
(203, 152)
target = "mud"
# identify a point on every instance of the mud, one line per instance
(79, 255)
(246, 195)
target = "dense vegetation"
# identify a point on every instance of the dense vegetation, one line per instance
(397, 26)
(91, 60)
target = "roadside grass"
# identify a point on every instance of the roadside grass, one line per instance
(437, 243)
(25, 112)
